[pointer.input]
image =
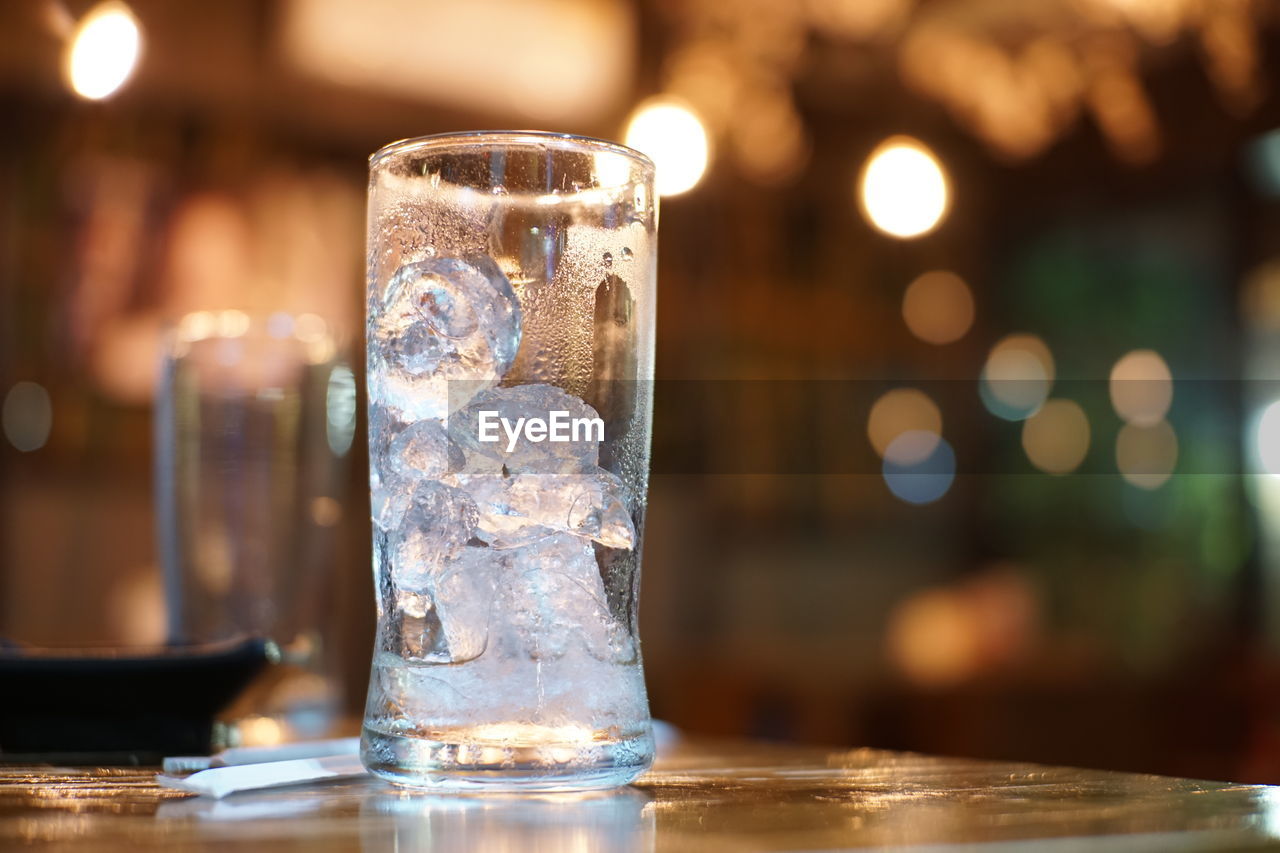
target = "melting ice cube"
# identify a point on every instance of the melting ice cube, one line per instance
(519, 510)
(446, 620)
(554, 601)
(441, 319)
(423, 450)
(436, 523)
(435, 591)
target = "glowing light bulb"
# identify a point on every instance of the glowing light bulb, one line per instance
(104, 51)
(673, 136)
(903, 190)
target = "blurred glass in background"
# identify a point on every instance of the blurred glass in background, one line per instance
(253, 418)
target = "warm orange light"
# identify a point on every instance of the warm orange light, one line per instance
(103, 52)
(1056, 438)
(900, 411)
(903, 189)
(1141, 387)
(1017, 376)
(938, 307)
(673, 136)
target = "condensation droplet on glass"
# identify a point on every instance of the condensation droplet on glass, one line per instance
(626, 253)
(608, 259)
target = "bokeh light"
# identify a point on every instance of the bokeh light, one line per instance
(1146, 455)
(672, 135)
(919, 467)
(1260, 297)
(933, 638)
(325, 511)
(1267, 439)
(27, 416)
(904, 410)
(1056, 438)
(903, 190)
(1141, 388)
(768, 137)
(103, 52)
(940, 636)
(1262, 158)
(1017, 377)
(938, 307)
(258, 730)
(340, 409)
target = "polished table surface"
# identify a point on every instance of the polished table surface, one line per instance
(700, 796)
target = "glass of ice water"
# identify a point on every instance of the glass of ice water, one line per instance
(510, 359)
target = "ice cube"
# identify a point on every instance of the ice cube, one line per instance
(511, 511)
(389, 500)
(434, 590)
(552, 602)
(383, 427)
(599, 512)
(463, 595)
(423, 451)
(401, 459)
(513, 405)
(447, 619)
(516, 511)
(441, 319)
(436, 523)
(413, 631)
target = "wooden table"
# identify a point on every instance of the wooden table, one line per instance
(700, 796)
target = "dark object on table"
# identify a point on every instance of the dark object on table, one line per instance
(119, 706)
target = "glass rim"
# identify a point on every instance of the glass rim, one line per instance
(493, 138)
(220, 324)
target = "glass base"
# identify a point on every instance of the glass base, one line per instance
(470, 761)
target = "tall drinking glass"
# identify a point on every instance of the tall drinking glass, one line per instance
(510, 353)
(253, 417)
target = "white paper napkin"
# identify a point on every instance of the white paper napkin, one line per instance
(221, 781)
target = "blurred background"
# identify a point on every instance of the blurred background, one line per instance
(967, 437)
